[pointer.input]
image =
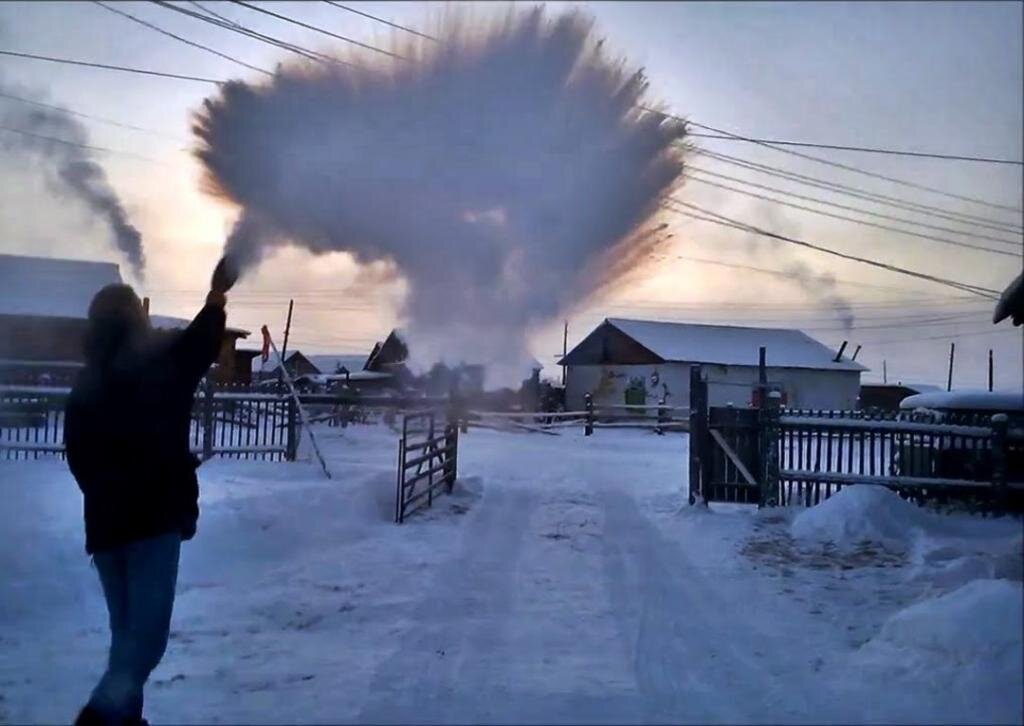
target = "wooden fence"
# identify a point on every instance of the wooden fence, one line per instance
(231, 424)
(771, 456)
(659, 418)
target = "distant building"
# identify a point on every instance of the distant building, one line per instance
(641, 362)
(309, 364)
(43, 308)
(392, 355)
(887, 396)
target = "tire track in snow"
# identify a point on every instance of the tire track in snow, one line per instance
(696, 658)
(436, 675)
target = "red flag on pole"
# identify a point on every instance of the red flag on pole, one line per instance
(265, 351)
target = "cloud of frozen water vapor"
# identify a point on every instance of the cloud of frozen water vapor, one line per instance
(70, 165)
(506, 171)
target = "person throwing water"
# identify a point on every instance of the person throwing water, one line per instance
(126, 435)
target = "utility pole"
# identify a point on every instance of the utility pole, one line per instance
(565, 349)
(885, 372)
(990, 370)
(949, 379)
(287, 330)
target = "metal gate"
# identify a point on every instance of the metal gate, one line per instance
(427, 462)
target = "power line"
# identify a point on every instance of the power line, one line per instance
(382, 20)
(838, 165)
(242, 30)
(317, 29)
(858, 210)
(876, 225)
(720, 219)
(124, 69)
(782, 273)
(869, 150)
(101, 149)
(991, 330)
(207, 10)
(186, 41)
(98, 119)
(905, 204)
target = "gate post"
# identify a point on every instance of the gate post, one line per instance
(292, 443)
(207, 419)
(588, 406)
(451, 457)
(698, 431)
(769, 441)
(1000, 424)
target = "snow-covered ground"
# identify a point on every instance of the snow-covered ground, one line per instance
(566, 580)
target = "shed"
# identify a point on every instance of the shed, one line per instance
(644, 361)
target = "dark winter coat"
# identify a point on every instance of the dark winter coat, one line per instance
(126, 431)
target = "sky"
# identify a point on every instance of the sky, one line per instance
(939, 77)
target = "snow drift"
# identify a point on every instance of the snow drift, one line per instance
(974, 622)
(861, 513)
(507, 172)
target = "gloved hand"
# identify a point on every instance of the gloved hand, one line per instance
(225, 275)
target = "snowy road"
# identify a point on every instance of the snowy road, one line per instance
(564, 582)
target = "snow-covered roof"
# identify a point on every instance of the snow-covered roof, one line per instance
(325, 362)
(329, 362)
(51, 287)
(732, 345)
(966, 400)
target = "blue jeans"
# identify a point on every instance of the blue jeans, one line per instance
(138, 583)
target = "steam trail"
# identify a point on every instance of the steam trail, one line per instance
(72, 167)
(506, 171)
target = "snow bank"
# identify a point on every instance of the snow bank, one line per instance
(977, 621)
(858, 514)
(959, 657)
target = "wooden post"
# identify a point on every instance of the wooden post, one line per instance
(698, 431)
(1000, 424)
(990, 370)
(207, 419)
(769, 442)
(588, 405)
(284, 345)
(949, 379)
(762, 375)
(885, 371)
(451, 460)
(400, 486)
(292, 450)
(662, 417)
(565, 350)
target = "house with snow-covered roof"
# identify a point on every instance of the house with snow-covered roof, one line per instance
(643, 361)
(44, 302)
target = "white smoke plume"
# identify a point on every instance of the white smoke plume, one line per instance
(61, 143)
(507, 171)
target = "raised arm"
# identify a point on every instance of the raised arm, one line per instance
(196, 349)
